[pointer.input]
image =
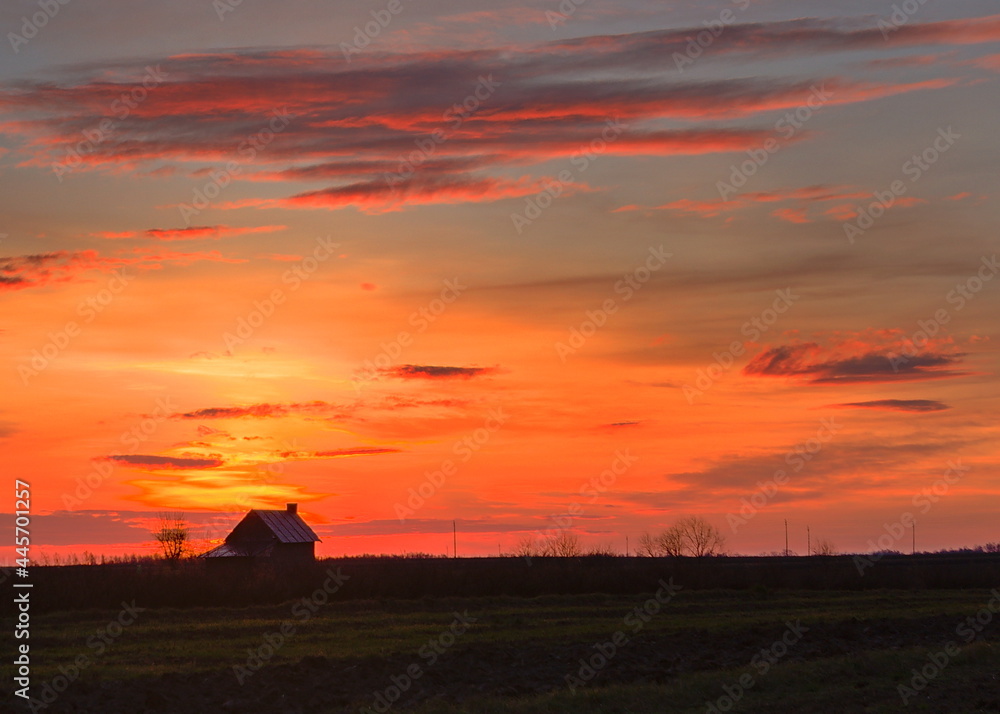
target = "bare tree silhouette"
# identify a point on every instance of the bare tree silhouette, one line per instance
(526, 547)
(689, 536)
(669, 542)
(172, 535)
(824, 547)
(700, 538)
(563, 545)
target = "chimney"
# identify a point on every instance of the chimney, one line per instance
(291, 508)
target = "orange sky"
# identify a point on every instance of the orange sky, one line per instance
(498, 266)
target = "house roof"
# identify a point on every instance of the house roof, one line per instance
(230, 551)
(287, 527)
(260, 531)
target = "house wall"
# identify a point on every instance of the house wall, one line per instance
(295, 551)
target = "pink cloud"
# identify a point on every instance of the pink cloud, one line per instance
(791, 215)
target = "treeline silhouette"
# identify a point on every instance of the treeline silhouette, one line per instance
(198, 583)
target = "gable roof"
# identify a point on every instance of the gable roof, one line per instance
(287, 527)
(227, 550)
(260, 531)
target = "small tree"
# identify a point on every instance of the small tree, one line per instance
(604, 550)
(699, 537)
(563, 545)
(646, 546)
(824, 547)
(172, 535)
(671, 542)
(526, 547)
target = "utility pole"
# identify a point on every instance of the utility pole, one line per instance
(454, 539)
(808, 541)
(913, 532)
(626, 546)
(786, 537)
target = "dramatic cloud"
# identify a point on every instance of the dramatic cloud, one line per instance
(379, 196)
(703, 209)
(791, 215)
(803, 198)
(326, 410)
(900, 405)
(337, 453)
(909, 61)
(380, 132)
(805, 361)
(163, 462)
(817, 193)
(191, 233)
(29, 271)
(772, 39)
(395, 401)
(417, 371)
(838, 465)
(991, 62)
(417, 154)
(259, 411)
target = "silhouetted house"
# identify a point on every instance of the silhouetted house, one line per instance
(269, 534)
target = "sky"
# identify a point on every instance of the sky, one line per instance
(512, 268)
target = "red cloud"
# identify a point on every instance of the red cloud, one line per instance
(705, 209)
(803, 196)
(791, 215)
(810, 362)
(163, 462)
(203, 232)
(191, 233)
(418, 371)
(959, 32)
(769, 39)
(909, 61)
(338, 453)
(259, 411)
(28, 271)
(900, 405)
(112, 235)
(156, 259)
(991, 62)
(380, 196)
(842, 212)
(357, 124)
(807, 193)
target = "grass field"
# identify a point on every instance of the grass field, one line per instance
(686, 651)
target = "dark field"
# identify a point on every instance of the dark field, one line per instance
(664, 636)
(194, 584)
